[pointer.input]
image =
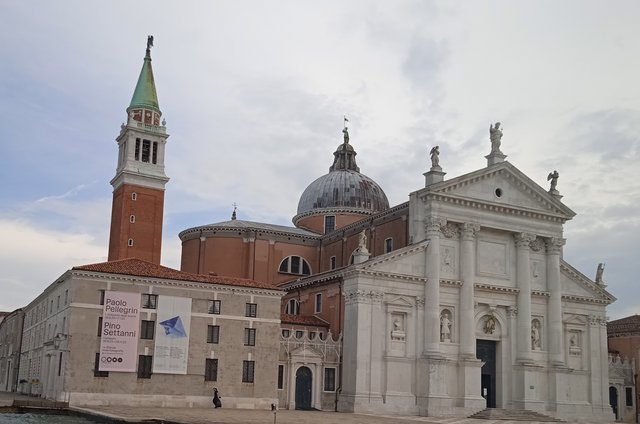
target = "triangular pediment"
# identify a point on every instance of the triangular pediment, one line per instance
(576, 285)
(502, 185)
(408, 260)
(306, 352)
(401, 301)
(577, 320)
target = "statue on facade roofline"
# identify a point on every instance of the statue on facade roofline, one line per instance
(599, 273)
(495, 135)
(362, 241)
(553, 177)
(435, 157)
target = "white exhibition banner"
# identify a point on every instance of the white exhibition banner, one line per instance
(119, 339)
(173, 323)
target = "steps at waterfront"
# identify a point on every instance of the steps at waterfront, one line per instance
(514, 415)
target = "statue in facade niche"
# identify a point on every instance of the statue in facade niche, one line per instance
(435, 157)
(535, 335)
(495, 135)
(599, 273)
(553, 177)
(445, 327)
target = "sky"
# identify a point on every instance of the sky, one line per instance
(254, 95)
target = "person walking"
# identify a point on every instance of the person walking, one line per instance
(217, 403)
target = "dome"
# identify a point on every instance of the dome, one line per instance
(344, 187)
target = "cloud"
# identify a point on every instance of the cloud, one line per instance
(33, 256)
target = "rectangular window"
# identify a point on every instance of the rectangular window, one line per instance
(318, 303)
(144, 366)
(137, 149)
(251, 310)
(629, 396)
(247, 371)
(329, 223)
(388, 245)
(214, 307)
(332, 262)
(211, 370)
(146, 329)
(58, 304)
(213, 334)
(102, 297)
(99, 326)
(96, 368)
(280, 377)
(329, 379)
(66, 296)
(249, 336)
(154, 158)
(59, 364)
(146, 150)
(149, 301)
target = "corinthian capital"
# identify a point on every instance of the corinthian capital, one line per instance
(524, 239)
(469, 230)
(554, 244)
(432, 225)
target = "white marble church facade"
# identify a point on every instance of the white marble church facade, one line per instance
(481, 298)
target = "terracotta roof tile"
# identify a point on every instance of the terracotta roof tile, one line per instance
(624, 326)
(140, 268)
(303, 320)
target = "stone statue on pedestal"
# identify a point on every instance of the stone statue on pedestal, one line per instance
(553, 177)
(435, 157)
(495, 135)
(599, 273)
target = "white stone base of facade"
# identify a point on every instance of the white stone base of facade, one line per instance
(163, 401)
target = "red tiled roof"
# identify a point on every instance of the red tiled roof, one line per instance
(140, 268)
(303, 320)
(624, 326)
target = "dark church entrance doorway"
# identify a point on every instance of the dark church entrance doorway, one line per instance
(613, 400)
(486, 352)
(303, 388)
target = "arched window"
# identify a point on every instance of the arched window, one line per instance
(295, 265)
(292, 307)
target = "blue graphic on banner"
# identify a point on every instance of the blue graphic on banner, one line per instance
(173, 327)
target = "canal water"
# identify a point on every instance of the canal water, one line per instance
(31, 418)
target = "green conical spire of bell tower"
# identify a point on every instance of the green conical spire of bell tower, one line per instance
(145, 95)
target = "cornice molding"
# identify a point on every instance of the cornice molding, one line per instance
(209, 230)
(123, 278)
(494, 288)
(496, 207)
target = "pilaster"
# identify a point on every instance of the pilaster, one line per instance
(523, 281)
(432, 288)
(467, 275)
(554, 311)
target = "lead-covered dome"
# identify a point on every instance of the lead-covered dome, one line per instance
(343, 189)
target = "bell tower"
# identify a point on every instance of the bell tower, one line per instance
(138, 186)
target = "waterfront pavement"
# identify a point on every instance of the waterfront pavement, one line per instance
(247, 416)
